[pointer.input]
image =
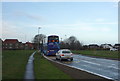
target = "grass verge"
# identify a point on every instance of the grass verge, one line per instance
(14, 63)
(99, 53)
(45, 70)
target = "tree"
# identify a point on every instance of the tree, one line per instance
(77, 45)
(71, 43)
(39, 38)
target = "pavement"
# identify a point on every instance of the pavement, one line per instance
(29, 74)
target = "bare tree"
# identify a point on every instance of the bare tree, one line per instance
(71, 43)
(39, 38)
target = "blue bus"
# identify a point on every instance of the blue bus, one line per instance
(52, 46)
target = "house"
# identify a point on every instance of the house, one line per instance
(14, 44)
(1, 42)
(11, 44)
(21, 45)
(29, 45)
(117, 46)
(93, 46)
(108, 47)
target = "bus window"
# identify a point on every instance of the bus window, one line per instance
(53, 41)
(56, 40)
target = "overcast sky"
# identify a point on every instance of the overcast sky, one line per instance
(90, 22)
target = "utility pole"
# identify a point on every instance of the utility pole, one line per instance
(65, 36)
(61, 39)
(38, 38)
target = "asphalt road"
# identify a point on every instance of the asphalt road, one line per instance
(102, 67)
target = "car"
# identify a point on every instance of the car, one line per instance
(64, 54)
(113, 49)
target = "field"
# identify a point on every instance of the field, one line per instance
(45, 70)
(14, 63)
(99, 53)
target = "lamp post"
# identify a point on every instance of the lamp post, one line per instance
(65, 36)
(38, 37)
(61, 39)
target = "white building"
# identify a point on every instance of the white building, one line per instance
(108, 46)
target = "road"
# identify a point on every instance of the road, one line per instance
(102, 67)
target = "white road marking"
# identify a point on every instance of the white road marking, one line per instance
(115, 66)
(100, 64)
(100, 69)
(91, 62)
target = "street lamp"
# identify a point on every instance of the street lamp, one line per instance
(38, 37)
(65, 36)
(61, 39)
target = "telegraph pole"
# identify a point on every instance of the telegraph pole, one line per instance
(38, 37)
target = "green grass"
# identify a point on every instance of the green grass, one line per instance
(99, 53)
(14, 63)
(45, 70)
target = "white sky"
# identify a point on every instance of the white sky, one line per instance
(90, 22)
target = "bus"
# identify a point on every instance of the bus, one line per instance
(52, 46)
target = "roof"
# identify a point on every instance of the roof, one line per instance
(1, 40)
(117, 45)
(11, 41)
(30, 44)
(93, 45)
(107, 44)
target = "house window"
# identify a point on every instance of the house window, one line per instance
(26, 45)
(10, 44)
(16, 44)
(10, 47)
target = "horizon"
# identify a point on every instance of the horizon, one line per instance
(63, 41)
(89, 22)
